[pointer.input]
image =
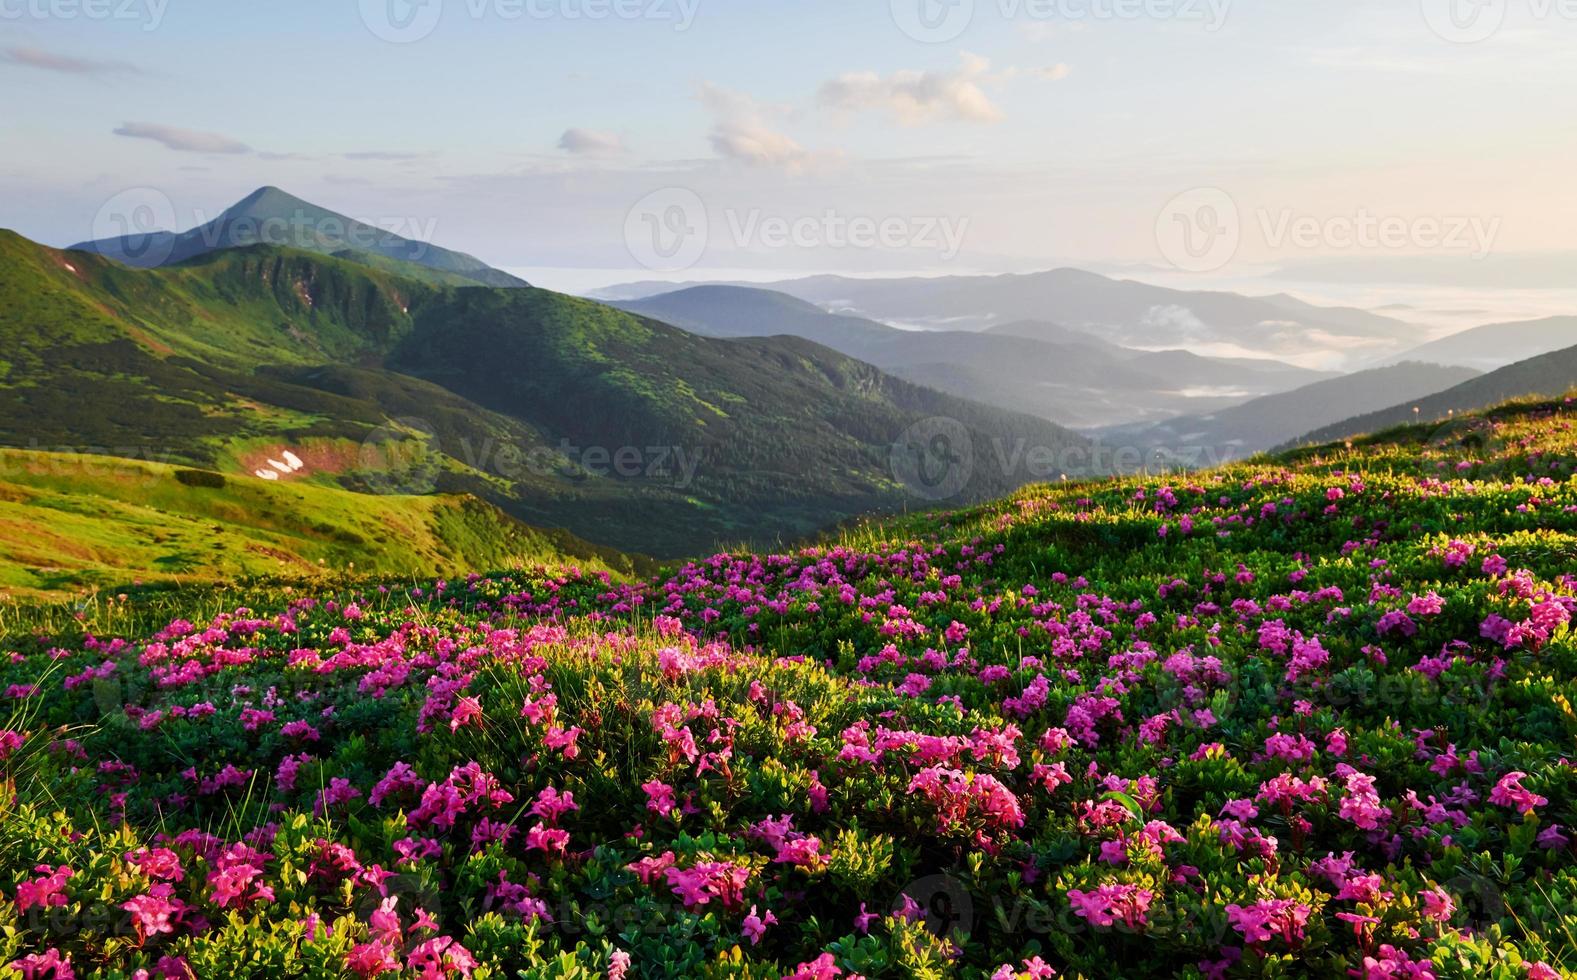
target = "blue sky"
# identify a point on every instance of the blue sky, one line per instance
(1043, 131)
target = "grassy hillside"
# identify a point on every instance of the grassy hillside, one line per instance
(561, 411)
(1541, 376)
(73, 523)
(1306, 717)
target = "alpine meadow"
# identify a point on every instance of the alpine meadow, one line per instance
(843, 490)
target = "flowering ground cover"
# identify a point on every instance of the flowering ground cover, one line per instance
(1309, 717)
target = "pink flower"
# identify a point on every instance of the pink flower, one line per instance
(967, 802)
(158, 863)
(549, 839)
(467, 711)
(439, 958)
(373, 959)
(1108, 903)
(618, 964)
(1269, 918)
(1035, 968)
(48, 965)
(10, 741)
(755, 926)
(1361, 806)
(1429, 604)
(1438, 904)
(700, 884)
(659, 797)
(823, 967)
(647, 869)
(151, 913)
(1510, 793)
(863, 920)
(563, 740)
(550, 805)
(46, 891)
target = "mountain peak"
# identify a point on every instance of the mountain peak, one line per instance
(271, 201)
(273, 216)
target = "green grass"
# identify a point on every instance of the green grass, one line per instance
(74, 523)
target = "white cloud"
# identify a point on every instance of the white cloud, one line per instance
(590, 142)
(66, 64)
(183, 140)
(741, 132)
(916, 97)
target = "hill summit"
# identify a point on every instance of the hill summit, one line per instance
(271, 216)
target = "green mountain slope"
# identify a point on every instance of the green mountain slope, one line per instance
(270, 216)
(561, 411)
(71, 522)
(1544, 376)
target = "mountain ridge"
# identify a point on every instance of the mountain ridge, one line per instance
(1549, 375)
(1074, 378)
(272, 216)
(1123, 311)
(522, 397)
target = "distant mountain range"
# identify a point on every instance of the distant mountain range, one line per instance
(1065, 375)
(1241, 431)
(1548, 375)
(1119, 311)
(562, 412)
(1499, 344)
(270, 216)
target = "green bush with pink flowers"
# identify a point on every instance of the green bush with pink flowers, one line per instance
(1312, 716)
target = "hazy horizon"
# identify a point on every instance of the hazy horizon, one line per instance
(655, 137)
